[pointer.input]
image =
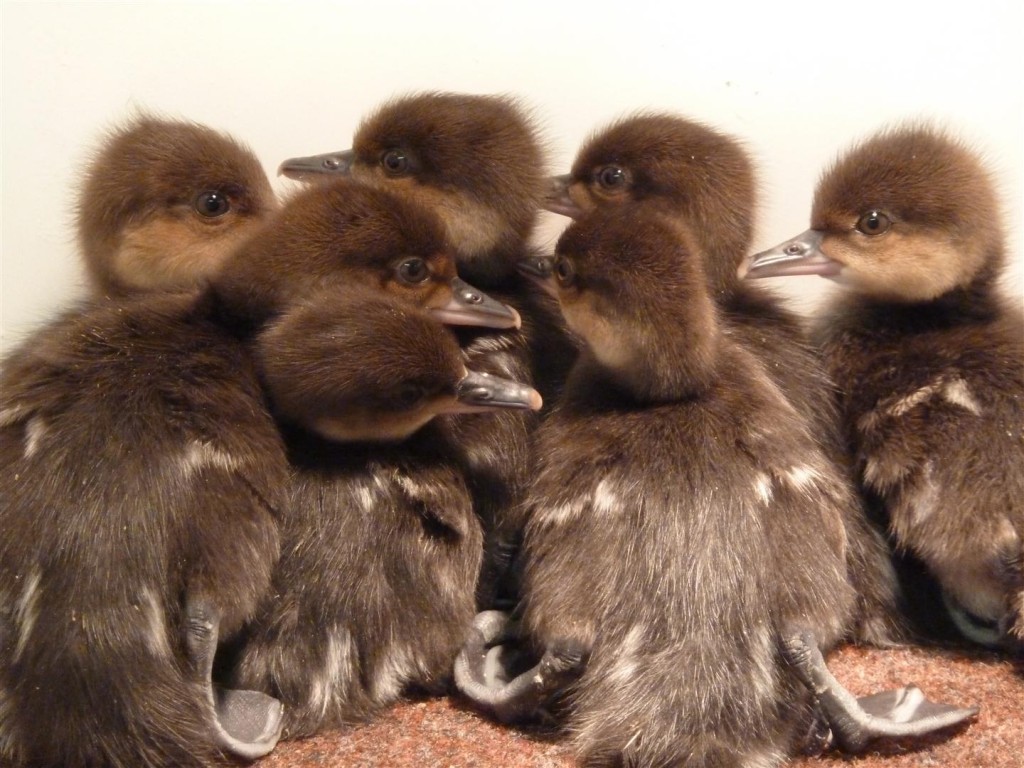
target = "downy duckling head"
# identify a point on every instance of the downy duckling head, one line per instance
(699, 174)
(346, 233)
(164, 202)
(908, 215)
(359, 365)
(474, 159)
(631, 284)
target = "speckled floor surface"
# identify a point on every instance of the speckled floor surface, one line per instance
(443, 733)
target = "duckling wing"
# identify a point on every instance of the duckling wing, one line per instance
(858, 722)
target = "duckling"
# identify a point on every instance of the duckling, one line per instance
(376, 587)
(907, 223)
(707, 180)
(164, 202)
(686, 540)
(477, 161)
(140, 426)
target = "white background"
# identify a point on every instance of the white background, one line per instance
(797, 80)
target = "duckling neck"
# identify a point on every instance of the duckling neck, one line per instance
(673, 359)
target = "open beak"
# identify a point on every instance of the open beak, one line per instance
(541, 270)
(800, 256)
(308, 168)
(471, 306)
(484, 392)
(558, 199)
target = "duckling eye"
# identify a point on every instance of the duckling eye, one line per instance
(412, 271)
(612, 177)
(394, 162)
(565, 272)
(873, 223)
(409, 395)
(211, 204)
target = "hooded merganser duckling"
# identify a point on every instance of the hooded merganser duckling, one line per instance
(381, 550)
(477, 161)
(685, 547)
(907, 222)
(141, 476)
(163, 204)
(707, 180)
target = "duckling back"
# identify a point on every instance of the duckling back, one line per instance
(112, 514)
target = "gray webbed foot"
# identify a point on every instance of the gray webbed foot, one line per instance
(495, 674)
(246, 724)
(856, 723)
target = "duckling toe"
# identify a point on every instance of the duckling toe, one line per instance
(248, 723)
(859, 722)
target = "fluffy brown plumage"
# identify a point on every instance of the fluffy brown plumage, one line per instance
(164, 202)
(476, 161)
(141, 477)
(381, 550)
(707, 180)
(908, 221)
(683, 516)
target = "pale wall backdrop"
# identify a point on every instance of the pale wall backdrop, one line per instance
(797, 80)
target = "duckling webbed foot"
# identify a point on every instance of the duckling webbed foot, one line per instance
(495, 674)
(246, 724)
(857, 722)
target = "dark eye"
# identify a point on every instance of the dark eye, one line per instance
(212, 204)
(611, 177)
(412, 271)
(394, 162)
(565, 272)
(873, 223)
(409, 395)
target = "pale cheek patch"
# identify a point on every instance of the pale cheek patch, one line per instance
(906, 267)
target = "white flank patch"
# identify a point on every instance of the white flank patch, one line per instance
(409, 485)
(625, 665)
(26, 611)
(156, 636)
(13, 415)
(958, 393)
(605, 500)
(34, 431)
(926, 500)
(199, 455)
(914, 399)
(325, 686)
(764, 759)
(763, 487)
(395, 670)
(365, 497)
(801, 477)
